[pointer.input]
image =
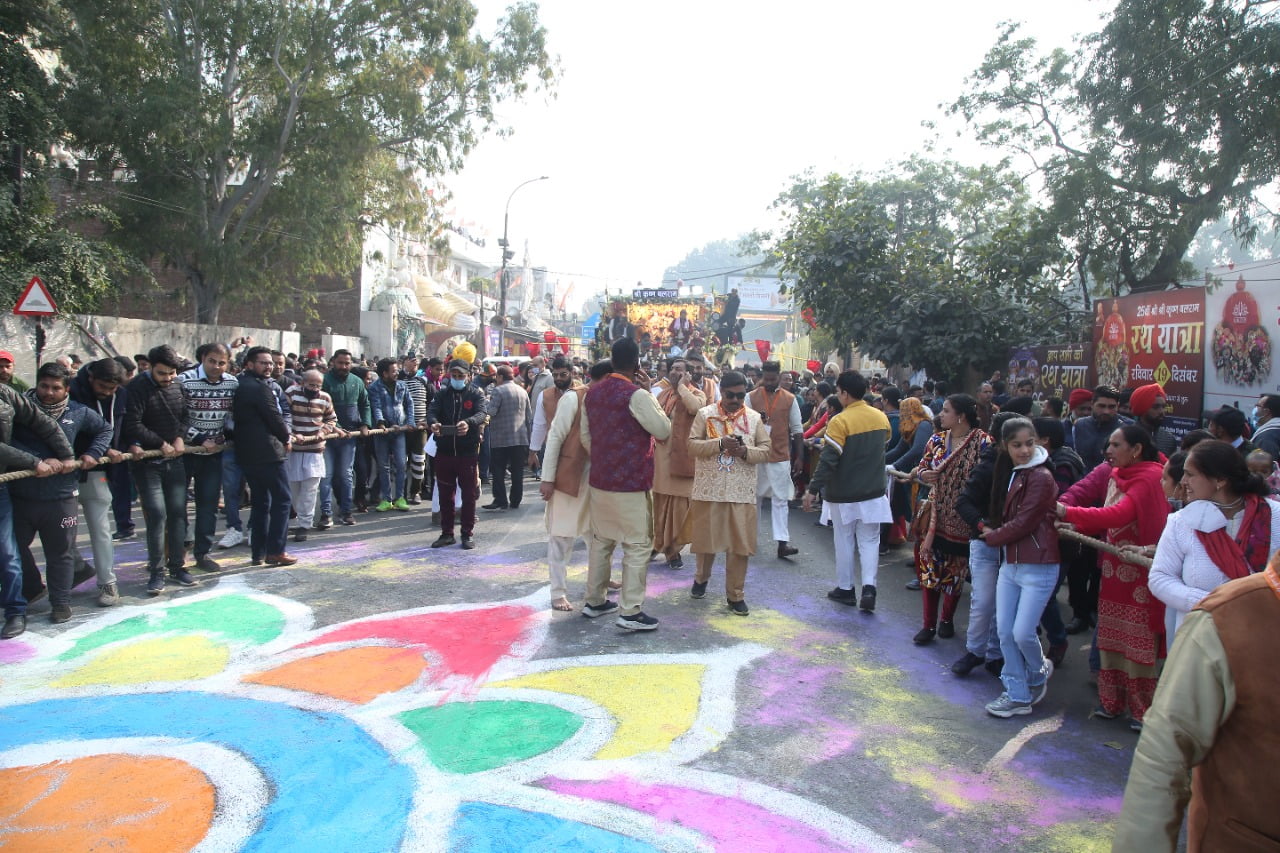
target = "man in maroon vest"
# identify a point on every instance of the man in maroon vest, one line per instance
(619, 423)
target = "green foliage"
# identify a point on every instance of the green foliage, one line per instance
(1159, 123)
(709, 264)
(34, 238)
(258, 138)
(933, 265)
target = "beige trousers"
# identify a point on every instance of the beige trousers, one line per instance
(735, 573)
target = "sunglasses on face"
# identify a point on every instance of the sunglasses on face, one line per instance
(734, 395)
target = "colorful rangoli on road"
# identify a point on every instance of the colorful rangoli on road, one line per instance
(226, 721)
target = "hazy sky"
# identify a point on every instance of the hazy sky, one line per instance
(678, 123)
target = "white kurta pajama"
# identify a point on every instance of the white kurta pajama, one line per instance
(773, 480)
(567, 517)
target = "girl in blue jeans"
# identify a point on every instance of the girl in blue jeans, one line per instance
(1022, 527)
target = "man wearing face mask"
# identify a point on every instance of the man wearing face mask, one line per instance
(314, 420)
(1266, 417)
(545, 402)
(1091, 433)
(456, 418)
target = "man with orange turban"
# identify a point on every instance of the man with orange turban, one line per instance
(1147, 405)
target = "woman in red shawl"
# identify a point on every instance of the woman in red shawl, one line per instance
(1130, 618)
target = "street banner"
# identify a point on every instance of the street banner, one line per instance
(1240, 365)
(1155, 337)
(1056, 369)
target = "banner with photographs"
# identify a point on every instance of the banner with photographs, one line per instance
(1155, 337)
(1240, 363)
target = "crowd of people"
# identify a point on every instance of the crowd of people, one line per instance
(1007, 494)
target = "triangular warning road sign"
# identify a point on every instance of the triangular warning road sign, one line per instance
(36, 301)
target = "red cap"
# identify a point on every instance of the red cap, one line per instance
(5, 355)
(1079, 397)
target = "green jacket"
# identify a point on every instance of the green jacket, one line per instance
(350, 400)
(851, 467)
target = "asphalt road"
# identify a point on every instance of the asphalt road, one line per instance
(806, 725)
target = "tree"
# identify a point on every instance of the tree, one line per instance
(257, 138)
(35, 237)
(710, 264)
(1159, 123)
(934, 265)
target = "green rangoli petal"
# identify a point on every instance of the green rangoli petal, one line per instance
(471, 737)
(235, 617)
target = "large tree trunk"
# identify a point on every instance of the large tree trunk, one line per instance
(208, 297)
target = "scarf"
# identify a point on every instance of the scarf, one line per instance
(55, 411)
(1247, 553)
(724, 423)
(910, 416)
(953, 473)
(669, 399)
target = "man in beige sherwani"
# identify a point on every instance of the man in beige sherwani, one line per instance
(729, 441)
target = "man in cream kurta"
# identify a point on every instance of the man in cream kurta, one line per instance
(729, 442)
(780, 413)
(567, 517)
(620, 496)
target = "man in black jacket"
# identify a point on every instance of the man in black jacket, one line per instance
(456, 418)
(262, 440)
(17, 409)
(153, 420)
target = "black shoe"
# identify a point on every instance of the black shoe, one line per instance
(61, 613)
(183, 577)
(591, 611)
(868, 602)
(698, 590)
(675, 562)
(844, 596)
(637, 622)
(13, 626)
(256, 561)
(966, 664)
(946, 629)
(914, 584)
(122, 535)
(205, 563)
(300, 534)
(468, 543)
(155, 585)
(494, 505)
(739, 608)
(785, 551)
(995, 667)
(1057, 654)
(1078, 626)
(348, 520)
(444, 540)
(82, 574)
(924, 636)
(325, 522)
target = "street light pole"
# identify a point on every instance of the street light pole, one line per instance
(507, 254)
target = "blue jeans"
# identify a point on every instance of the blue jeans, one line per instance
(339, 457)
(982, 639)
(269, 518)
(162, 489)
(206, 472)
(390, 452)
(1021, 593)
(232, 478)
(10, 561)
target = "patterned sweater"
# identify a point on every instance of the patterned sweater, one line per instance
(208, 404)
(311, 415)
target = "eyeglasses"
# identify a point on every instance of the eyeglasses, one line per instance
(734, 395)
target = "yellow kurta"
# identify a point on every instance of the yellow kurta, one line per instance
(723, 516)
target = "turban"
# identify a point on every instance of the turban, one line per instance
(1079, 397)
(1144, 397)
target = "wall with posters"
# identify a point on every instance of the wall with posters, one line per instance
(1155, 337)
(1240, 318)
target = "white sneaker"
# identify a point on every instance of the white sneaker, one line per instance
(231, 538)
(108, 595)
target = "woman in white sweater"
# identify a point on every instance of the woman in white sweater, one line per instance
(1227, 530)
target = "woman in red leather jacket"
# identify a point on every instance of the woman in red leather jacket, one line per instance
(1023, 530)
